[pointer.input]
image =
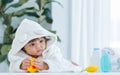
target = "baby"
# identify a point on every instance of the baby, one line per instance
(33, 41)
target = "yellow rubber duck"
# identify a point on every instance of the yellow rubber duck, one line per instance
(32, 67)
(92, 68)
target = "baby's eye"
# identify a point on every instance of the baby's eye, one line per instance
(41, 41)
(32, 44)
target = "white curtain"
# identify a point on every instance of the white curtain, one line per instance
(115, 26)
(90, 28)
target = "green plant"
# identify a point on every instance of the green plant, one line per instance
(42, 11)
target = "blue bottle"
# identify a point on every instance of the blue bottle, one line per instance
(105, 61)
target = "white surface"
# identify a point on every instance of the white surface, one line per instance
(113, 73)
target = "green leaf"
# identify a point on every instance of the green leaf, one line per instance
(0, 48)
(52, 31)
(59, 40)
(0, 3)
(49, 20)
(23, 5)
(38, 2)
(5, 49)
(21, 2)
(27, 11)
(3, 57)
(50, 1)
(7, 39)
(19, 13)
(12, 36)
(42, 3)
(4, 2)
(48, 15)
(32, 14)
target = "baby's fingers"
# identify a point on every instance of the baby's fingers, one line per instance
(39, 66)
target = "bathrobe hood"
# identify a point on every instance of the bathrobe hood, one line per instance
(27, 31)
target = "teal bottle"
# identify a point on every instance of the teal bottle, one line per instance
(105, 61)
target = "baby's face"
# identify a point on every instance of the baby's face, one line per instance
(35, 47)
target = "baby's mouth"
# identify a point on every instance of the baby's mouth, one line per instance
(39, 52)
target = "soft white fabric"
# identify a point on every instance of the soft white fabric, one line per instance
(29, 30)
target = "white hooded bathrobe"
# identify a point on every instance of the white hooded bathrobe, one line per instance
(29, 30)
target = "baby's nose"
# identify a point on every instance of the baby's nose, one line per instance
(39, 47)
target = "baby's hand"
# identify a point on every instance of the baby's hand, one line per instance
(25, 64)
(41, 65)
